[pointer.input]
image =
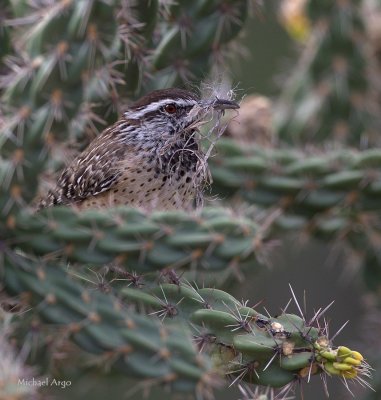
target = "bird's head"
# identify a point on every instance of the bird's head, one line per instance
(173, 112)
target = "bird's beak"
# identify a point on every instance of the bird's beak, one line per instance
(222, 105)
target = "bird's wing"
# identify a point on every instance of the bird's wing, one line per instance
(93, 172)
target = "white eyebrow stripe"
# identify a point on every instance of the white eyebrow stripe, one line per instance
(156, 105)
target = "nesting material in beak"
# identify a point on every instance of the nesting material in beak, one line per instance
(222, 105)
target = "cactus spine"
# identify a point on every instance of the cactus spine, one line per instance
(210, 241)
(135, 344)
(241, 343)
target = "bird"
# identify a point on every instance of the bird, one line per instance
(151, 158)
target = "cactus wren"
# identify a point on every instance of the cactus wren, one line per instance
(150, 158)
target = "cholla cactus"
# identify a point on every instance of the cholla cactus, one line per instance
(240, 342)
(270, 351)
(329, 95)
(75, 65)
(76, 60)
(215, 240)
(318, 191)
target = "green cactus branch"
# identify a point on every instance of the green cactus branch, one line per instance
(212, 240)
(76, 66)
(245, 344)
(137, 345)
(77, 62)
(327, 193)
(241, 343)
(196, 37)
(329, 95)
(63, 70)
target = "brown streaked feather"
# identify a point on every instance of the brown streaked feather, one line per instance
(91, 173)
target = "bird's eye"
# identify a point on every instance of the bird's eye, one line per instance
(170, 108)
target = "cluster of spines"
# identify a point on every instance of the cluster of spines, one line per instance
(238, 341)
(47, 113)
(305, 182)
(61, 70)
(210, 241)
(195, 39)
(102, 325)
(243, 343)
(331, 194)
(331, 96)
(77, 61)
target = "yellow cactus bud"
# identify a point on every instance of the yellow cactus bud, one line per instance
(328, 367)
(343, 351)
(329, 355)
(342, 366)
(358, 356)
(352, 361)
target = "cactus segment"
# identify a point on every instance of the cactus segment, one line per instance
(135, 344)
(269, 351)
(138, 241)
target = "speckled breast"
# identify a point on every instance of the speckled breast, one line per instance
(144, 185)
